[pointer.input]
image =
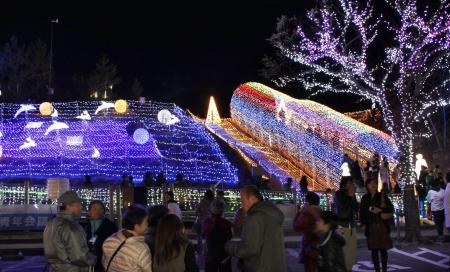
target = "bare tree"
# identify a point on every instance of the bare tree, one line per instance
(338, 49)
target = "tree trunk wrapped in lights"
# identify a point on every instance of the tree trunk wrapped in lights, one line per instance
(333, 48)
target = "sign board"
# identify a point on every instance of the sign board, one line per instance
(25, 217)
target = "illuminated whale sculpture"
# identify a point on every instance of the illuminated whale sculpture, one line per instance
(311, 135)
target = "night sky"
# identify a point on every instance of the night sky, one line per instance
(180, 53)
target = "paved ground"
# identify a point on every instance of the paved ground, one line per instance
(428, 258)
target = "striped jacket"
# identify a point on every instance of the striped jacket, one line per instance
(133, 256)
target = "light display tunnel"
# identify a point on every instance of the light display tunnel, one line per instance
(312, 136)
(107, 139)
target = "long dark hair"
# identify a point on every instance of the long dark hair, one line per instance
(169, 239)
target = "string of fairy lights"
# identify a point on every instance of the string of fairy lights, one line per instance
(416, 55)
(188, 197)
(108, 139)
(313, 135)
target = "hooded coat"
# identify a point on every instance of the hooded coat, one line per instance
(262, 244)
(65, 245)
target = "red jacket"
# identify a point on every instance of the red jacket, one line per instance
(217, 231)
(305, 222)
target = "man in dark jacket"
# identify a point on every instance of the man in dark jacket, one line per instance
(65, 240)
(262, 244)
(98, 228)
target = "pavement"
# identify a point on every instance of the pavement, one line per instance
(30, 243)
(427, 258)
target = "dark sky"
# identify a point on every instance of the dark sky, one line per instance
(180, 53)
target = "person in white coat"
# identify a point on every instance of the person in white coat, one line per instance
(436, 200)
(447, 202)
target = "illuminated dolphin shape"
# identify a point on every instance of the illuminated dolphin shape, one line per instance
(56, 126)
(84, 116)
(104, 106)
(55, 113)
(34, 124)
(28, 144)
(173, 120)
(96, 153)
(24, 108)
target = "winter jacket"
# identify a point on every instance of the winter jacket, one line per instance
(447, 205)
(331, 255)
(305, 222)
(202, 211)
(65, 245)
(217, 231)
(106, 229)
(184, 262)
(367, 217)
(345, 208)
(133, 256)
(436, 199)
(262, 245)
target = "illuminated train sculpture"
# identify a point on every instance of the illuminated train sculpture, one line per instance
(106, 140)
(312, 136)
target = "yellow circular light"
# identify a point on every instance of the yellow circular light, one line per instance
(46, 108)
(121, 106)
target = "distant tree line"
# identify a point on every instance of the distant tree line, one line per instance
(24, 76)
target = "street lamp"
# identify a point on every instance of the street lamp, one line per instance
(50, 89)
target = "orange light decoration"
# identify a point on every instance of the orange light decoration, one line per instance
(46, 108)
(121, 106)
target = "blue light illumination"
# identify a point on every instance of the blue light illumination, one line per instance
(83, 140)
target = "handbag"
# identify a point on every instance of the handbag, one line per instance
(390, 218)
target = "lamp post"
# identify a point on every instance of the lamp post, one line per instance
(50, 88)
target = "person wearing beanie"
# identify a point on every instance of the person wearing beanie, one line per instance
(217, 231)
(65, 244)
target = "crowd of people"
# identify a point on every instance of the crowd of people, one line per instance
(329, 237)
(155, 238)
(432, 188)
